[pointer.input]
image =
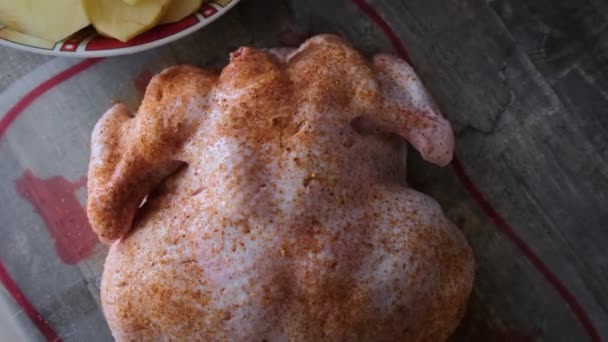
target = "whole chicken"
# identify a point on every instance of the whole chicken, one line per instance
(267, 203)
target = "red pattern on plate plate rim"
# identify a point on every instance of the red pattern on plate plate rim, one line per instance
(71, 43)
(99, 43)
(156, 33)
(207, 10)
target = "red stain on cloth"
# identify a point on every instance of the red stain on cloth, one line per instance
(55, 201)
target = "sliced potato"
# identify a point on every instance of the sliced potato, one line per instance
(132, 2)
(115, 18)
(179, 9)
(49, 20)
(26, 39)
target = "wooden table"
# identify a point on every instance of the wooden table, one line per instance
(524, 83)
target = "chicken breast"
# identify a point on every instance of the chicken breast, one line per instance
(267, 203)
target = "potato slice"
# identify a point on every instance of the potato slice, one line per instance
(49, 20)
(116, 19)
(132, 2)
(25, 39)
(179, 9)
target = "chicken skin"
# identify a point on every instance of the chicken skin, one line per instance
(267, 203)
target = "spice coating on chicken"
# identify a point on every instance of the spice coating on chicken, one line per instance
(276, 208)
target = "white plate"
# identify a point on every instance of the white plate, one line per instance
(87, 43)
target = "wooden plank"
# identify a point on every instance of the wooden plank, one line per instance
(534, 159)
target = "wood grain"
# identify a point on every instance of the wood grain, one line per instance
(535, 156)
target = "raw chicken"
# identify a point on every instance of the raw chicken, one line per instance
(267, 203)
